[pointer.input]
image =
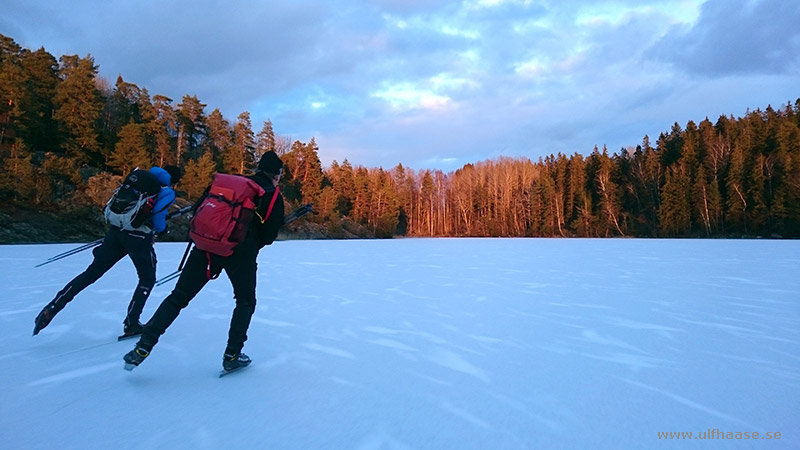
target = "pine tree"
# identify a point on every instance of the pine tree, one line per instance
(306, 170)
(131, 150)
(385, 206)
(56, 179)
(163, 129)
(265, 140)
(78, 106)
(12, 91)
(341, 177)
(18, 174)
(197, 176)
(121, 108)
(191, 123)
(404, 180)
(362, 195)
(241, 158)
(219, 142)
(38, 129)
(427, 203)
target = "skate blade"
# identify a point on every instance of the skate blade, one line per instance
(127, 336)
(129, 367)
(227, 372)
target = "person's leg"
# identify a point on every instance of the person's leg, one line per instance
(105, 256)
(140, 250)
(241, 269)
(192, 279)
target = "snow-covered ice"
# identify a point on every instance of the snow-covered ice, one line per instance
(421, 344)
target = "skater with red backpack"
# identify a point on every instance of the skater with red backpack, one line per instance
(234, 219)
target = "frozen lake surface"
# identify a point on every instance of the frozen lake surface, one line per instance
(421, 344)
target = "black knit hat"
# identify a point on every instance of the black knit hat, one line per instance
(175, 173)
(270, 163)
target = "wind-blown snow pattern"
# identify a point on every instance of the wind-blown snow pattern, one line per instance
(422, 344)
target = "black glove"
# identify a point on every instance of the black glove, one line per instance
(163, 233)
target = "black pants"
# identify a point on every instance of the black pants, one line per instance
(116, 244)
(241, 270)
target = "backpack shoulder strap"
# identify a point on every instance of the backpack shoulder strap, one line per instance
(271, 204)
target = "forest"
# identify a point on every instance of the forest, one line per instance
(68, 137)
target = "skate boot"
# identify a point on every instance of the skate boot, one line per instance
(135, 357)
(131, 330)
(45, 316)
(232, 362)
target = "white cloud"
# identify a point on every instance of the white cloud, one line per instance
(407, 96)
(495, 3)
(453, 30)
(451, 82)
(680, 12)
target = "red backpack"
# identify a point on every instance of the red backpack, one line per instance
(221, 221)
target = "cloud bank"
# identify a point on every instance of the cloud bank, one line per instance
(437, 84)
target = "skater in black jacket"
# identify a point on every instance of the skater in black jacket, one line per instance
(240, 267)
(135, 242)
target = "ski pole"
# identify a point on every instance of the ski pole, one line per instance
(75, 250)
(175, 274)
(180, 212)
(296, 214)
(71, 252)
(169, 277)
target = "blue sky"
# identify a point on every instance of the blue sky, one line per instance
(437, 84)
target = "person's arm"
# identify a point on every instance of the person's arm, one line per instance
(268, 229)
(164, 200)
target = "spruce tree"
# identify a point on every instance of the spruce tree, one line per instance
(736, 204)
(674, 215)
